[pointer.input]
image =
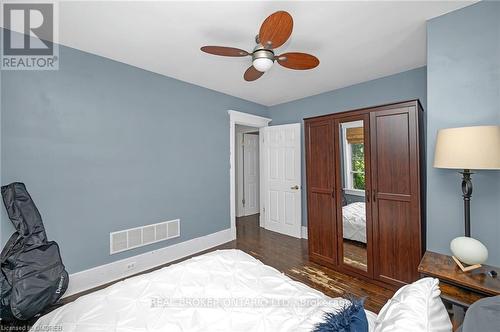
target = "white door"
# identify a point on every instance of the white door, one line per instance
(281, 179)
(250, 174)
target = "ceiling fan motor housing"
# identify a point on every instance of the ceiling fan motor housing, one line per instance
(262, 59)
(260, 52)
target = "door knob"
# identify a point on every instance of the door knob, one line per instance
(296, 187)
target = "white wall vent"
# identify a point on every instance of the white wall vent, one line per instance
(142, 236)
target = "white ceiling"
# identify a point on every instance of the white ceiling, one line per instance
(355, 41)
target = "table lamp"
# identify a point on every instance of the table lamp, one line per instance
(467, 149)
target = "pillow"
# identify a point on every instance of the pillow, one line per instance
(350, 318)
(415, 308)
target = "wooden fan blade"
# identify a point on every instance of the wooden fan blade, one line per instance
(224, 51)
(298, 61)
(251, 74)
(276, 29)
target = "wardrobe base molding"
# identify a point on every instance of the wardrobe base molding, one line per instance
(352, 273)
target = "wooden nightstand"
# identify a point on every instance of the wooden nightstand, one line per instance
(459, 289)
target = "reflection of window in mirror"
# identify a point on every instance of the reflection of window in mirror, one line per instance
(353, 158)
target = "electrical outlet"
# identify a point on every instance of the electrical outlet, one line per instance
(131, 266)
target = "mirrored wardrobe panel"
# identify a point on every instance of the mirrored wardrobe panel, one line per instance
(352, 188)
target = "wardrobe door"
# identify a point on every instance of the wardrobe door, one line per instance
(353, 184)
(396, 195)
(320, 191)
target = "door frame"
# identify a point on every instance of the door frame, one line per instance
(245, 119)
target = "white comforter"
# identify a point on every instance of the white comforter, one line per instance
(225, 290)
(354, 223)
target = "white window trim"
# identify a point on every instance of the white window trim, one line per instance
(346, 148)
(354, 192)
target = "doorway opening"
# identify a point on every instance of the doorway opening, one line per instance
(247, 171)
(247, 162)
(271, 191)
(246, 124)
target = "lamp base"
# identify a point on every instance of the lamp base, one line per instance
(465, 268)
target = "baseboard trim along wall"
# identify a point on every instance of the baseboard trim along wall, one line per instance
(103, 274)
(304, 232)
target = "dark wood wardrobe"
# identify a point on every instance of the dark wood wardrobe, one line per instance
(365, 203)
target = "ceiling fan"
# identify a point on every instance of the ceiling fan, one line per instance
(274, 32)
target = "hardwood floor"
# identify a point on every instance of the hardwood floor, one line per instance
(288, 255)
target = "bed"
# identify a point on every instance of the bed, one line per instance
(354, 222)
(224, 290)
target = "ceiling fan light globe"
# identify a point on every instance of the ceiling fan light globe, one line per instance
(262, 64)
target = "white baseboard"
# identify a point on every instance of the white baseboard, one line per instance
(304, 232)
(103, 274)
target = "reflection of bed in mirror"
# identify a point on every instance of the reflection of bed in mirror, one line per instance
(354, 225)
(354, 234)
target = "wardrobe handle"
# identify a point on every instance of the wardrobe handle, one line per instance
(367, 194)
(374, 196)
(333, 193)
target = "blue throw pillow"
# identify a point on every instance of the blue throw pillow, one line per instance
(351, 318)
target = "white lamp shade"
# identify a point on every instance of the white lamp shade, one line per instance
(468, 148)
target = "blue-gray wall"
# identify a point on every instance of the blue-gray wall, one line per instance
(103, 146)
(399, 87)
(463, 71)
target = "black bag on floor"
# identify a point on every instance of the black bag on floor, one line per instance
(32, 273)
